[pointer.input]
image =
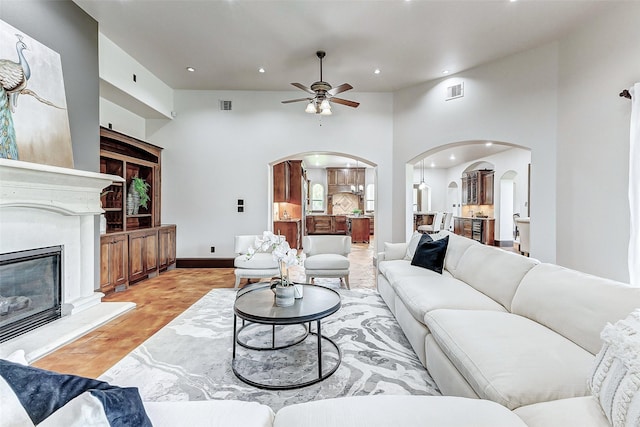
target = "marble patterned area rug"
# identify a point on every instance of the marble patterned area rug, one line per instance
(190, 358)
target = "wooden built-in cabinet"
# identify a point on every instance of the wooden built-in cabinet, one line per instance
(291, 230)
(343, 180)
(480, 229)
(135, 246)
(477, 187)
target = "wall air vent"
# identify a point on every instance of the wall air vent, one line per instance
(455, 91)
(225, 105)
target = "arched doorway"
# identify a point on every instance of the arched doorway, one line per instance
(508, 206)
(453, 198)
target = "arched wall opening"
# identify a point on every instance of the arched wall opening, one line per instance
(444, 176)
(370, 188)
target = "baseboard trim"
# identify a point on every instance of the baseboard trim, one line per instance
(503, 243)
(204, 263)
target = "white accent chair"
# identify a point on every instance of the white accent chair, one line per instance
(260, 266)
(327, 257)
(434, 227)
(523, 231)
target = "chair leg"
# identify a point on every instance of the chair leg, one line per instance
(237, 282)
(309, 280)
(346, 282)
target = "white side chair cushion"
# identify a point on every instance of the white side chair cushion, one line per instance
(326, 262)
(576, 411)
(259, 261)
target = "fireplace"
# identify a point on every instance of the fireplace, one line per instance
(30, 290)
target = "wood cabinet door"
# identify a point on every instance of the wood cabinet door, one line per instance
(310, 225)
(151, 252)
(281, 180)
(359, 230)
(295, 182)
(465, 191)
(166, 247)
(457, 226)
(323, 224)
(113, 262)
(486, 197)
(339, 224)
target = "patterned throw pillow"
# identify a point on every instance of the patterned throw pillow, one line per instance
(615, 381)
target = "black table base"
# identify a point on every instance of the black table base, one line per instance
(288, 386)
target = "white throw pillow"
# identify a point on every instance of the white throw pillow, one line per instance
(17, 356)
(615, 381)
(394, 251)
(412, 245)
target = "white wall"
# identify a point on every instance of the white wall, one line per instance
(214, 157)
(596, 63)
(511, 100)
(122, 120)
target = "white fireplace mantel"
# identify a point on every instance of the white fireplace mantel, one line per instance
(62, 190)
(41, 206)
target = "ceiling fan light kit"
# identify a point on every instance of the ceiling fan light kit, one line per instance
(323, 94)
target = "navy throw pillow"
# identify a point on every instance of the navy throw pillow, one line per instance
(430, 253)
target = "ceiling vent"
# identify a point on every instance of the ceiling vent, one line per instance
(225, 105)
(455, 91)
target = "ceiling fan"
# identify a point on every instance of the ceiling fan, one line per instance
(323, 93)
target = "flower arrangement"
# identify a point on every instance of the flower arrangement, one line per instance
(281, 252)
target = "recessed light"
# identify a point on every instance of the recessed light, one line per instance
(190, 69)
(376, 71)
(261, 70)
(489, 144)
(452, 157)
(433, 165)
(445, 71)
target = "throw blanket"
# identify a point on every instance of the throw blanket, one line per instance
(32, 396)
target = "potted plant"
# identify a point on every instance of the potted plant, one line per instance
(286, 257)
(357, 212)
(139, 190)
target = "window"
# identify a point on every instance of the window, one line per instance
(370, 198)
(317, 197)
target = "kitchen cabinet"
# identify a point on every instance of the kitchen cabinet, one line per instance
(477, 187)
(166, 247)
(326, 224)
(291, 230)
(341, 180)
(480, 229)
(358, 229)
(281, 182)
(114, 262)
(143, 254)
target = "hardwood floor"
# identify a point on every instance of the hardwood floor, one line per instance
(159, 300)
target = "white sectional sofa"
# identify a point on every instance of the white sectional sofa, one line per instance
(499, 326)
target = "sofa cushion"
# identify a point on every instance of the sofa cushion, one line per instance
(494, 272)
(394, 250)
(259, 261)
(423, 294)
(574, 304)
(576, 411)
(430, 254)
(405, 411)
(412, 245)
(457, 246)
(212, 413)
(326, 262)
(510, 359)
(399, 269)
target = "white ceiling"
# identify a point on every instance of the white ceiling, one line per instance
(409, 41)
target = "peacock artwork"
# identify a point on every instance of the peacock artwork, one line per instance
(34, 123)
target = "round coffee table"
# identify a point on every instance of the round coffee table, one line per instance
(255, 304)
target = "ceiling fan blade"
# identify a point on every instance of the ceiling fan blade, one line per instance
(296, 100)
(342, 88)
(304, 88)
(344, 102)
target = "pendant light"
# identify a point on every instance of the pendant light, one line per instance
(423, 184)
